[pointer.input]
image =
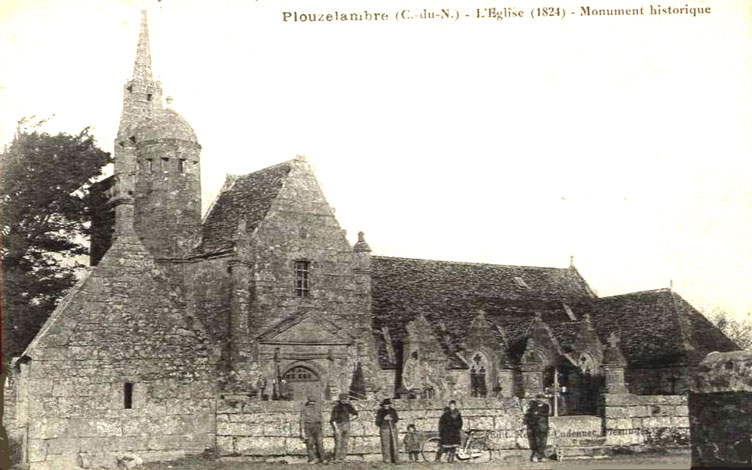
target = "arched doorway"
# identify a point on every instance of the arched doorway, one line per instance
(303, 382)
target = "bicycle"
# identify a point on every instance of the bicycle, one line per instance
(474, 449)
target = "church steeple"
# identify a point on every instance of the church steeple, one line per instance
(141, 96)
(142, 65)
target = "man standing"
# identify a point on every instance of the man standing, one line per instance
(386, 421)
(310, 430)
(536, 419)
(342, 413)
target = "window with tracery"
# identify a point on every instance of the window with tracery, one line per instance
(300, 374)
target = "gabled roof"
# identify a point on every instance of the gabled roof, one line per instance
(247, 197)
(655, 327)
(649, 326)
(450, 294)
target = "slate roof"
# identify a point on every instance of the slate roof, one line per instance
(450, 295)
(246, 197)
(648, 325)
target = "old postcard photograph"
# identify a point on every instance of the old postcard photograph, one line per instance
(254, 234)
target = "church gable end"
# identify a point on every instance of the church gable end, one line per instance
(302, 260)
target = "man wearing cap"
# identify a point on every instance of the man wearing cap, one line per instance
(386, 421)
(310, 430)
(536, 419)
(342, 413)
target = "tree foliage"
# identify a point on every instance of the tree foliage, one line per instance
(738, 330)
(45, 222)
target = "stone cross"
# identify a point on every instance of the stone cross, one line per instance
(613, 340)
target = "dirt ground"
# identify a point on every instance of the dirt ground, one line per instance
(670, 460)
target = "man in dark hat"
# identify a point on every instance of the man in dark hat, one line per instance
(536, 419)
(310, 430)
(386, 421)
(342, 413)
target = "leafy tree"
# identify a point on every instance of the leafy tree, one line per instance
(738, 330)
(45, 221)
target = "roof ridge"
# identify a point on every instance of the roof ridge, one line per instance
(270, 167)
(639, 292)
(473, 263)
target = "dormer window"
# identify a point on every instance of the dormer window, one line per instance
(148, 97)
(302, 278)
(521, 283)
(150, 165)
(164, 164)
(181, 165)
(129, 88)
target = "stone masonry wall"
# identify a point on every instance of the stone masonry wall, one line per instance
(271, 429)
(208, 295)
(657, 381)
(81, 422)
(123, 323)
(650, 420)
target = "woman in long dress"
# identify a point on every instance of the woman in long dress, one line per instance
(450, 430)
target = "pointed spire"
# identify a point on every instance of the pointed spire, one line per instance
(142, 65)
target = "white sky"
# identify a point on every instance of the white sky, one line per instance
(623, 141)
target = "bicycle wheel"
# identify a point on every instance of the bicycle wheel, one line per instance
(478, 452)
(429, 449)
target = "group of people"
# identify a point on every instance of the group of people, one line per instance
(450, 430)
(311, 430)
(450, 436)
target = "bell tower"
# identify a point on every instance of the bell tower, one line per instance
(157, 162)
(141, 95)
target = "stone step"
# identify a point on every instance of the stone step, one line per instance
(578, 441)
(574, 453)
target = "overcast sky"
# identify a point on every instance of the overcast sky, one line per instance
(625, 141)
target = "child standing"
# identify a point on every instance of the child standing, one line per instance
(412, 443)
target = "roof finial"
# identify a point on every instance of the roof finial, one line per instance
(571, 261)
(169, 101)
(142, 65)
(361, 246)
(671, 284)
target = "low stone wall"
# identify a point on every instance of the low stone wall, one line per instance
(651, 420)
(270, 429)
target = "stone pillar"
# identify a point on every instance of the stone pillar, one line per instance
(614, 364)
(362, 272)
(531, 366)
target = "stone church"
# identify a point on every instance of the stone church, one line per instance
(265, 297)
